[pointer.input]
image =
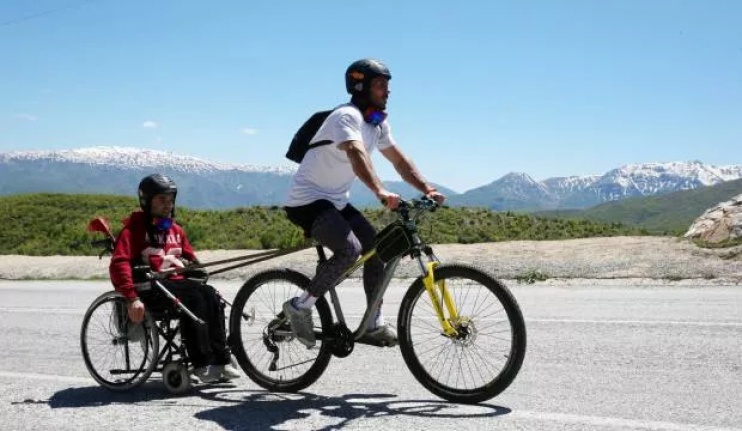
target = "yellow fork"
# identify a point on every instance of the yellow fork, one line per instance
(430, 286)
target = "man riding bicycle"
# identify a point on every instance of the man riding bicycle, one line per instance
(318, 197)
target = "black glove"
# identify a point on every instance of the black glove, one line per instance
(196, 273)
(140, 273)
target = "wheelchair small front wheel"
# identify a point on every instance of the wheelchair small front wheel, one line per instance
(176, 378)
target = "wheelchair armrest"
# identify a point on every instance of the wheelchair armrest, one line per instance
(197, 274)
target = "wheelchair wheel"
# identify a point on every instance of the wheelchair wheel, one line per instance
(262, 341)
(176, 378)
(118, 354)
(483, 359)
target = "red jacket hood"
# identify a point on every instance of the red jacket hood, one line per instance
(135, 218)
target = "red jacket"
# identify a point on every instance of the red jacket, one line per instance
(133, 247)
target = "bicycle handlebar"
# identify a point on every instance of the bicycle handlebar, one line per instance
(424, 203)
(417, 205)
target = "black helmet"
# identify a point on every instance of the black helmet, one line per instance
(152, 185)
(360, 73)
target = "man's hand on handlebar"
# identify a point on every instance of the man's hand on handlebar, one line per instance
(389, 199)
(439, 198)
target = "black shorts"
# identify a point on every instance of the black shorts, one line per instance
(305, 215)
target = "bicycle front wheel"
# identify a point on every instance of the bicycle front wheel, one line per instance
(261, 337)
(484, 357)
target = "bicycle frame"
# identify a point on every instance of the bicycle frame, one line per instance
(427, 270)
(467, 358)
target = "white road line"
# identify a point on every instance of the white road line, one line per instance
(640, 322)
(42, 310)
(53, 377)
(358, 316)
(620, 423)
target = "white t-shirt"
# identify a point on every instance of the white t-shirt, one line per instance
(326, 172)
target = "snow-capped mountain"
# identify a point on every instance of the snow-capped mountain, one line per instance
(566, 185)
(645, 179)
(514, 191)
(116, 170)
(135, 158)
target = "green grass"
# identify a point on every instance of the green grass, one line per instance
(50, 224)
(669, 214)
(532, 276)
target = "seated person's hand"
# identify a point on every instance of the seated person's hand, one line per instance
(136, 310)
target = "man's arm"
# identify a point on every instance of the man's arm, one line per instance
(362, 166)
(119, 267)
(407, 170)
(121, 276)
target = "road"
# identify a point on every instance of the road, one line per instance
(612, 357)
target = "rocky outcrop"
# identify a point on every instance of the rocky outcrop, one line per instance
(720, 223)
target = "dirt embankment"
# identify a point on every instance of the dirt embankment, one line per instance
(660, 258)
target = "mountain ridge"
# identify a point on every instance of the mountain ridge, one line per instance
(117, 170)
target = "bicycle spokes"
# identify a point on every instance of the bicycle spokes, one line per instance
(482, 354)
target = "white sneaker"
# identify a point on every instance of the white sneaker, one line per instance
(301, 323)
(229, 372)
(381, 336)
(208, 374)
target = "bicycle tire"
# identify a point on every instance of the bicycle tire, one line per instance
(414, 319)
(103, 334)
(249, 348)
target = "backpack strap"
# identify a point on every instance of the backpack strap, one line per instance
(318, 144)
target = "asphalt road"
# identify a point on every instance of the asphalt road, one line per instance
(599, 358)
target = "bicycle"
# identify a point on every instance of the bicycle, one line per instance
(441, 334)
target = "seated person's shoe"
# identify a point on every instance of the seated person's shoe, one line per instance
(301, 323)
(381, 336)
(208, 374)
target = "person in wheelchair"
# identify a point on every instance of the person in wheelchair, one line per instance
(152, 238)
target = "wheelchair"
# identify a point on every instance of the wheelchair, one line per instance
(121, 355)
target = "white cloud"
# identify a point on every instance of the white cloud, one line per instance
(26, 117)
(248, 131)
(149, 124)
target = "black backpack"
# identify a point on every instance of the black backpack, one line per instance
(301, 142)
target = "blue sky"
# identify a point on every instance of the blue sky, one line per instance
(479, 88)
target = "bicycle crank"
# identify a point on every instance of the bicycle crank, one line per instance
(342, 341)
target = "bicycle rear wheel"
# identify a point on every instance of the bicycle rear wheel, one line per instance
(486, 355)
(256, 325)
